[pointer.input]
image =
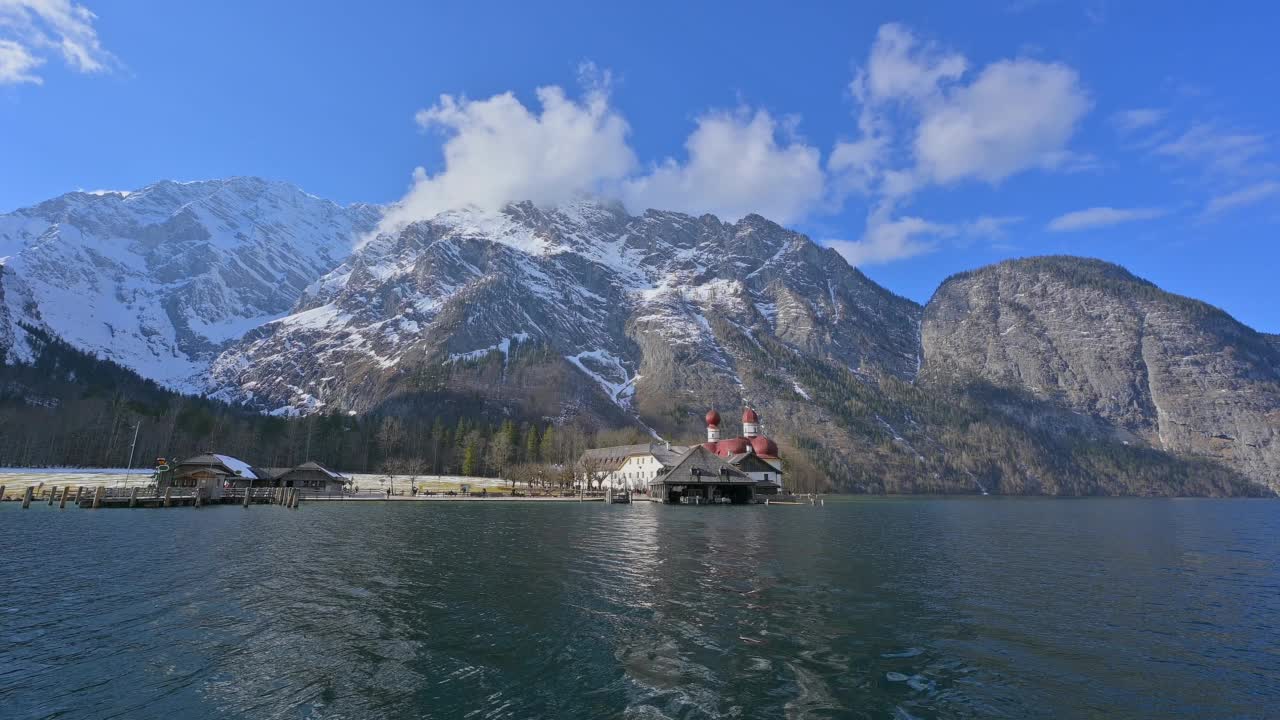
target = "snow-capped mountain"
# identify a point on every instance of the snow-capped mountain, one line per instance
(624, 308)
(258, 293)
(160, 279)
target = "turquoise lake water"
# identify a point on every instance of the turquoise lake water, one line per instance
(863, 608)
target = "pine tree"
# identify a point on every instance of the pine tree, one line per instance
(531, 444)
(547, 448)
(469, 460)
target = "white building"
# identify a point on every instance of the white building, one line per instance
(634, 467)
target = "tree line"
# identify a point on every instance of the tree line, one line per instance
(68, 408)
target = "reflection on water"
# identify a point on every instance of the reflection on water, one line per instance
(920, 608)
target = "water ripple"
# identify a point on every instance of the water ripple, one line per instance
(869, 608)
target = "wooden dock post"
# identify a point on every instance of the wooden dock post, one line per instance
(168, 499)
(97, 496)
(297, 498)
(79, 492)
(197, 497)
(53, 491)
(1, 492)
(26, 497)
(62, 504)
(133, 497)
(247, 492)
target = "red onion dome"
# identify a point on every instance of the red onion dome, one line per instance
(713, 418)
(764, 447)
(733, 446)
(750, 416)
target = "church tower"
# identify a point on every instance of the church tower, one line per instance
(750, 423)
(713, 426)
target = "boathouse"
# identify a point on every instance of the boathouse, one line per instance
(213, 473)
(312, 477)
(701, 476)
(210, 472)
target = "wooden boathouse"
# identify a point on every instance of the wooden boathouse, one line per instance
(214, 475)
(699, 477)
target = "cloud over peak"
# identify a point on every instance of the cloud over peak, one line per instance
(926, 118)
(1097, 217)
(32, 29)
(499, 151)
(736, 165)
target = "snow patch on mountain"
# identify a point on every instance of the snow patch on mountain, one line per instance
(160, 279)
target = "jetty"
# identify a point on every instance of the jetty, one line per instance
(152, 496)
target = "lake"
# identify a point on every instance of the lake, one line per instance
(862, 608)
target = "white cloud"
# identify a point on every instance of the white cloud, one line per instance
(1096, 217)
(1137, 118)
(990, 227)
(903, 67)
(1016, 115)
(925, 120)
(1245, 196)
(31, 29)
(498, 151)
(896, 239)
(1224, 153)
(887, 240)
(736, 165)
(17, 63)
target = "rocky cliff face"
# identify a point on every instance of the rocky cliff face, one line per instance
(1048, 375)
(1174, 373)
(629, 315)
(160, 279)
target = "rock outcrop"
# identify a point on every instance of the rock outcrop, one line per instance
(1046, 375)
(1175, 373)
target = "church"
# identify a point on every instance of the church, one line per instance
(737, 468)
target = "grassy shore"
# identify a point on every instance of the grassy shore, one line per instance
(16, 480)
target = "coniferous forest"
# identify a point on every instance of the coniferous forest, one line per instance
(71, 409)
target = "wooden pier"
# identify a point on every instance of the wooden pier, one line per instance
(101, 496)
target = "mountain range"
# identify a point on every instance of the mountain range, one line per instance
(1050, 375)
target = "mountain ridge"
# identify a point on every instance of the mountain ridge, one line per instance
(587, 315)
(160, 278)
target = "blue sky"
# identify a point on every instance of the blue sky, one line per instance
(920, 139)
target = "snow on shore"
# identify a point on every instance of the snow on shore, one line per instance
(15, 480)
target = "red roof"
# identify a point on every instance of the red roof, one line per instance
(713, 418)
(764, 447)
(750, 416)
(731, 446)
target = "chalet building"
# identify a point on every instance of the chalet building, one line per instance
(209, 471)
(214, 473)
(637, 467)
(311, 476)
(630, 467)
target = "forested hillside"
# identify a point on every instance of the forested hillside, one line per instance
(71, 409)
